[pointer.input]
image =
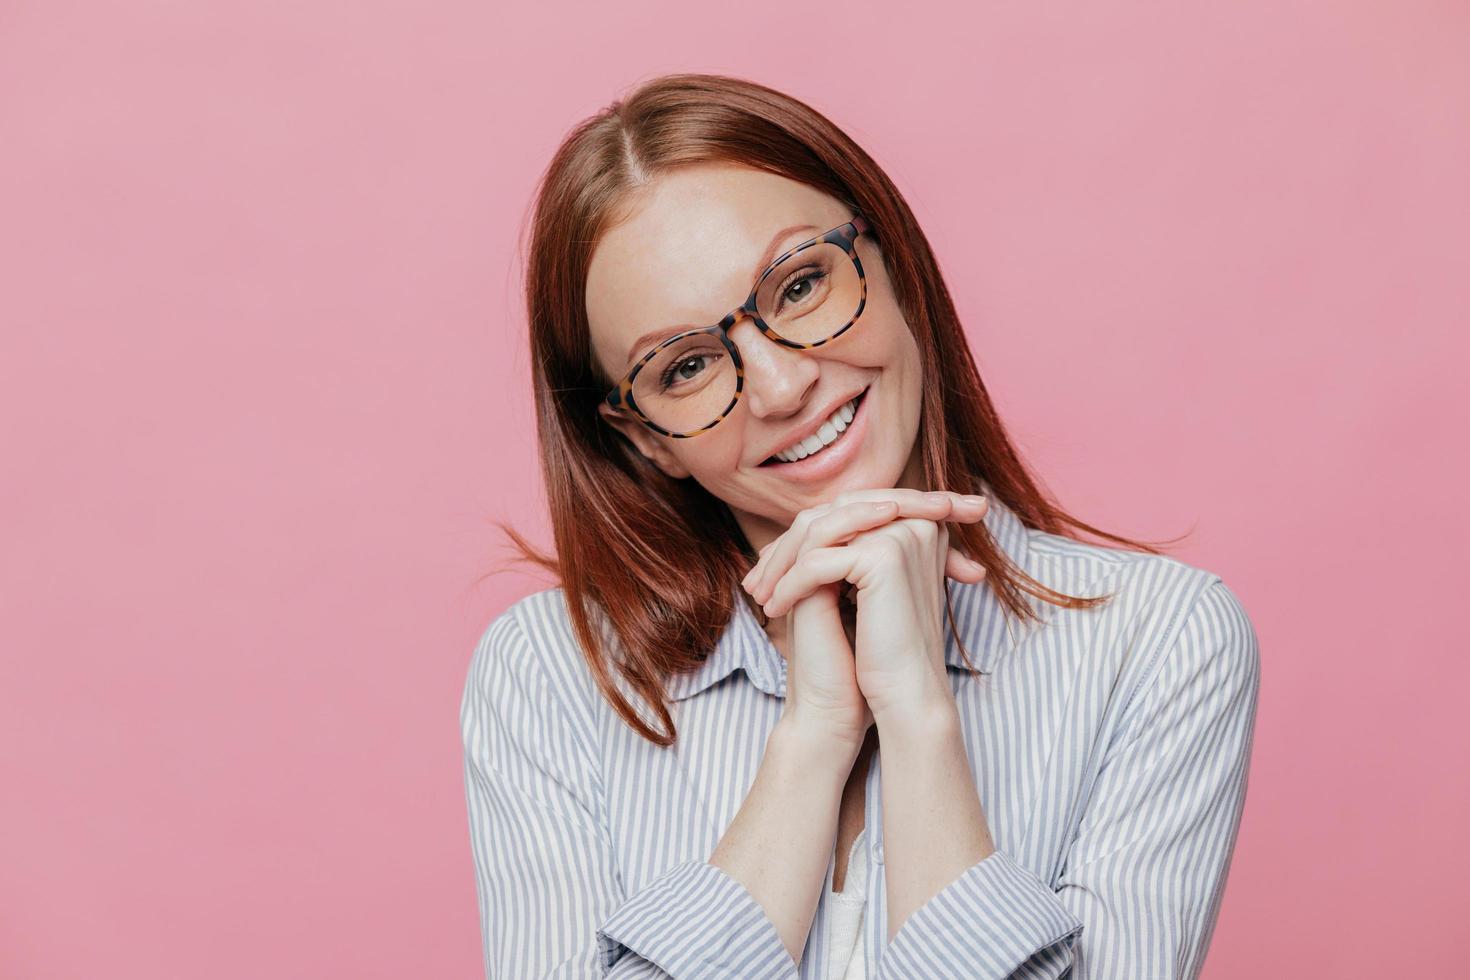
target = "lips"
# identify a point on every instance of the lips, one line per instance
(856, 402)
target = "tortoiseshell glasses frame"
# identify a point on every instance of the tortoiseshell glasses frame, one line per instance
(844, 236)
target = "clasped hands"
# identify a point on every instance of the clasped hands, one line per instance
(892, 548)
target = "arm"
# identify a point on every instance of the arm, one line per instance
(551, 899)
(957, 907)
(780, 844)
(1147, 869)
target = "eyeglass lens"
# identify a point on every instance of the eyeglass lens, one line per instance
(807, 298)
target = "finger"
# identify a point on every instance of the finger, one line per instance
(789, 539)
(818, 567)
(785, 542)
(832, 527)
(942, 548)
(833, 565)
(963, 569)
(966, 507)
(933, 538)
(932, 504)
(760, 556)
(938, 505)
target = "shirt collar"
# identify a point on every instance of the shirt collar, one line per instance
(980, 619)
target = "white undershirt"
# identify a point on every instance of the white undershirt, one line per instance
(845, 960)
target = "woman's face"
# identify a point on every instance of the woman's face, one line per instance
(690, 252)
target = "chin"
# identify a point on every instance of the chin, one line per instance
(862, 475)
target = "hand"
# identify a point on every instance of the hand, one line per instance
(823, 700)
(898, 566)
(853, 512)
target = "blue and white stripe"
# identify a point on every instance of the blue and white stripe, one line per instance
(1110, 749)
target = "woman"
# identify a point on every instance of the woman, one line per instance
(825, 690)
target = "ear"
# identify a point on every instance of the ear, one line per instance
(653, 447)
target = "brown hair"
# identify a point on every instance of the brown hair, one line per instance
(659, 557)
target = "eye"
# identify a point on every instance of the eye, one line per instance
(683, 370)
(800, 285)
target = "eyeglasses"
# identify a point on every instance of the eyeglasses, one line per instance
(808, 296)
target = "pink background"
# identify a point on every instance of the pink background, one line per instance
(264, 384)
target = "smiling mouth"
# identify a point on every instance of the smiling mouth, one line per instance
(857, 403)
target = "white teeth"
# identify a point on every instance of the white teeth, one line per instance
(835, 425)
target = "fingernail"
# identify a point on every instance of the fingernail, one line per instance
(973, 500)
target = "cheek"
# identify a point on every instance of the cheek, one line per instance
(901, 347)
(911, 356)
(712, 456)
(883, 330)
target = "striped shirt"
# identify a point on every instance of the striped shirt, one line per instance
(1110, 749)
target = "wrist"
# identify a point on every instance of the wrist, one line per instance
(920, 721)
(814, 750)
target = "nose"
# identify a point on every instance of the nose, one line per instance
(778, 379)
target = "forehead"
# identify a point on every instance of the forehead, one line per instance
(687, 252)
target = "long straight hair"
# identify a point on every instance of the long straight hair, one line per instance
(657, 559)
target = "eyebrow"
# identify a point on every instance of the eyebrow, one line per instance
(654, 336)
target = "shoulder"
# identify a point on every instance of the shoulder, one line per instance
(1218, 635)
(1162, 609)
(1139, 582)
(536, 627)
(530, 652)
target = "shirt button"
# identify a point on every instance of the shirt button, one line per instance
(878, 852)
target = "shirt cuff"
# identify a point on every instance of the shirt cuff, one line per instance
(987, 923)
(694, 920)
